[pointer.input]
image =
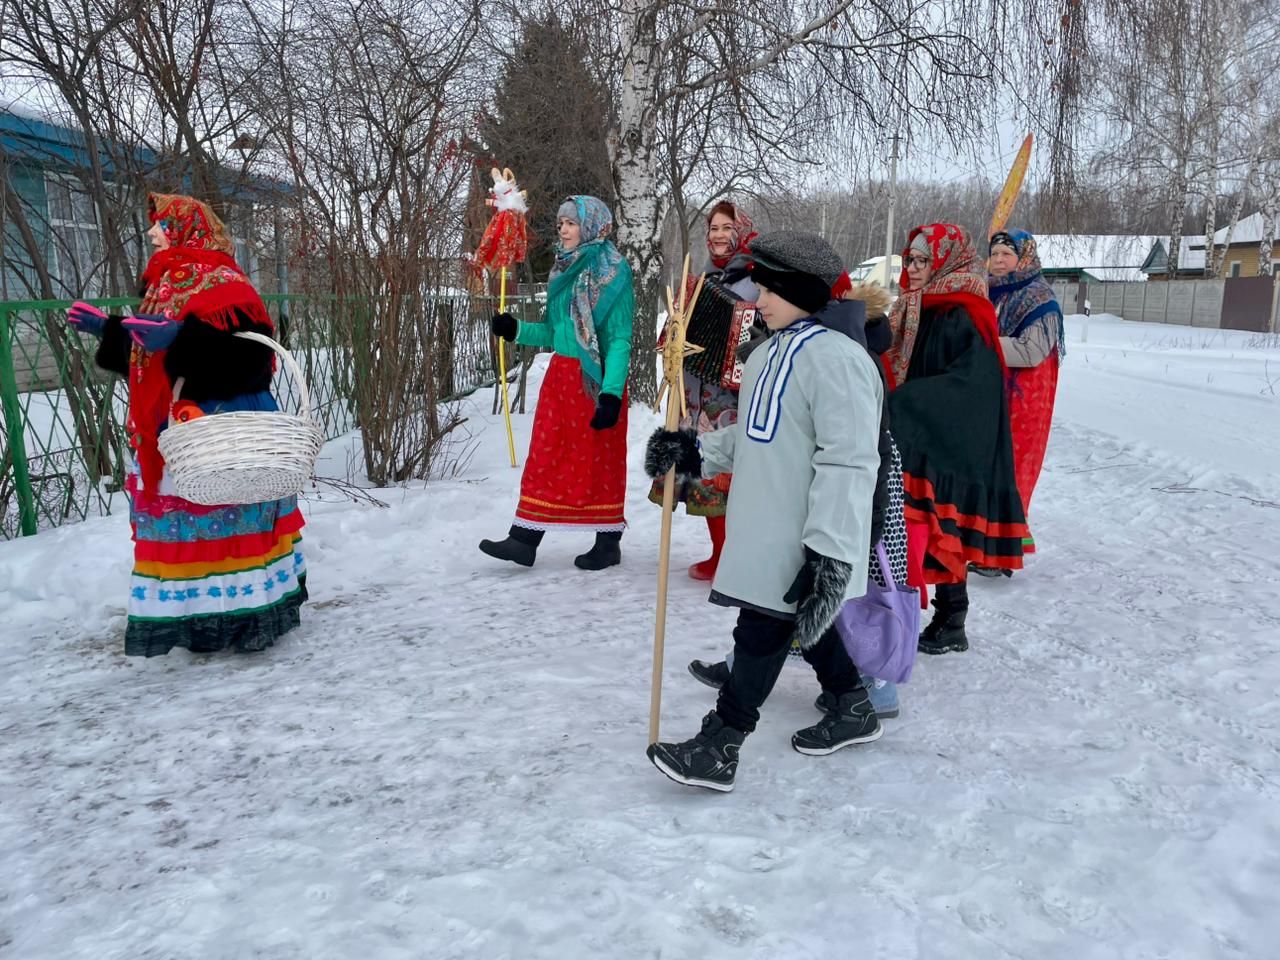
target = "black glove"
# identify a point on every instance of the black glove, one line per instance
(818, 592)
(608, 409)
(673, 448)
(504, 325)
(758, 336)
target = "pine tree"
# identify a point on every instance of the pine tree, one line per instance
(549, 122)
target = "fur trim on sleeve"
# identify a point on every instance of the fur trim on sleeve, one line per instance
(673, 448)
(817, 612)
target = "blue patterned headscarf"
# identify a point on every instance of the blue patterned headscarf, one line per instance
(592, 267)
(1024, 298)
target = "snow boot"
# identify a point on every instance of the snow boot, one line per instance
(521, 546)
(607, 552)
(714, 675)
(706, 570)
(882, 693)
(945, 632)
(852, 720)
(709, 760)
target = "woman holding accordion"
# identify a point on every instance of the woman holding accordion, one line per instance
(723, 317)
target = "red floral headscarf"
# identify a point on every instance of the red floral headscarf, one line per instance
(959, 280)
(196, 275)
(744, 231)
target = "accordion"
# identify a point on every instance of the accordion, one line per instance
(721, 322)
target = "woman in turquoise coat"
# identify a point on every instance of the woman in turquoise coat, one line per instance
(576, 472)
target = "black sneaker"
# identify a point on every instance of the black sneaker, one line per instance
(607, 552)
(708, 760)
(853, 720)
(714, 675)
(521, 546)
(945, 633)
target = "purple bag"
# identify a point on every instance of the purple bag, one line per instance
(881, 630)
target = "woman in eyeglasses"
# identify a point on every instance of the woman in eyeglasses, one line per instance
(950, 418)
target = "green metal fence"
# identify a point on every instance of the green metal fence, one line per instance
(63, 450)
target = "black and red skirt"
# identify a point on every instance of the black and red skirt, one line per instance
(950, 418)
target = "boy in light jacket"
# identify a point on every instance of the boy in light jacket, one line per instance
(804, 456)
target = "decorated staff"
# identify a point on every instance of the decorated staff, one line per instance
(674, 349)
(1012, 185)
(505, 242)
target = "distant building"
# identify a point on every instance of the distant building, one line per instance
(42, 163)
(1089, 258)
(1240, 259)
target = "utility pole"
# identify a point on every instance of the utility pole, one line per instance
(893, 200)
(823, 232)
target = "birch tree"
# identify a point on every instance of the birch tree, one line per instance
(925, 67)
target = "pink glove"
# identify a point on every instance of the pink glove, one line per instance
(152, 333)
(87, 318)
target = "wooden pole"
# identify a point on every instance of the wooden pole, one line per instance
(502, 370)
(674, 349)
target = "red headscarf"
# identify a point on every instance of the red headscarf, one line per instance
(959, 280)
(744, 232)
(195, 275)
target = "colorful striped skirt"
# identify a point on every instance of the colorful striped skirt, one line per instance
(209, 578)
(574, 476)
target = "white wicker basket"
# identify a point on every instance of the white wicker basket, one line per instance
(245, 456)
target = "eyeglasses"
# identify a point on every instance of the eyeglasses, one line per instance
(918, 261)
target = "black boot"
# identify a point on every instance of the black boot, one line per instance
(852, 719)
(521, 546)
(708, 760)
(607, 552)
(945, 632)
(991, 573)
(714, 675)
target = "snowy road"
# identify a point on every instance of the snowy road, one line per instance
(447, 761)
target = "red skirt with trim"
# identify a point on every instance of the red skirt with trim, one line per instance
(1031, 400)
(574, 476)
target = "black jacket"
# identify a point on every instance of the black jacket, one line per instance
(215, 364)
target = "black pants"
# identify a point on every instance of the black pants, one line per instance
(760, 645)
(951, 597)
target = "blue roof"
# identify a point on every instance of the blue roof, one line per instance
(54, 146)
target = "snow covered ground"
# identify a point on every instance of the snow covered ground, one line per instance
(447, 760)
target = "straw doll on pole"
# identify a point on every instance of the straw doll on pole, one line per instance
(504, 244)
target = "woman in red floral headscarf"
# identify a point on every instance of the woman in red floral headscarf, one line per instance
(204, 578)
(950, 417)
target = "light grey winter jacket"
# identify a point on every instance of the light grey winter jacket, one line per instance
(804, 457)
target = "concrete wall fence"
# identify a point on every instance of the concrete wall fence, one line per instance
(1242, 303)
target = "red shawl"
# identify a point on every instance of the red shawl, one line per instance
(195, 276)
(959, 280)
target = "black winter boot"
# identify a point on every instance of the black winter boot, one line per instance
(991, 573)
(607, 552)
(714, 675)
(851, 720)
(708, 760)
(521, 546)
(945, 632)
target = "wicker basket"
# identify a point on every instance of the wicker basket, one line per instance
(245, 456)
